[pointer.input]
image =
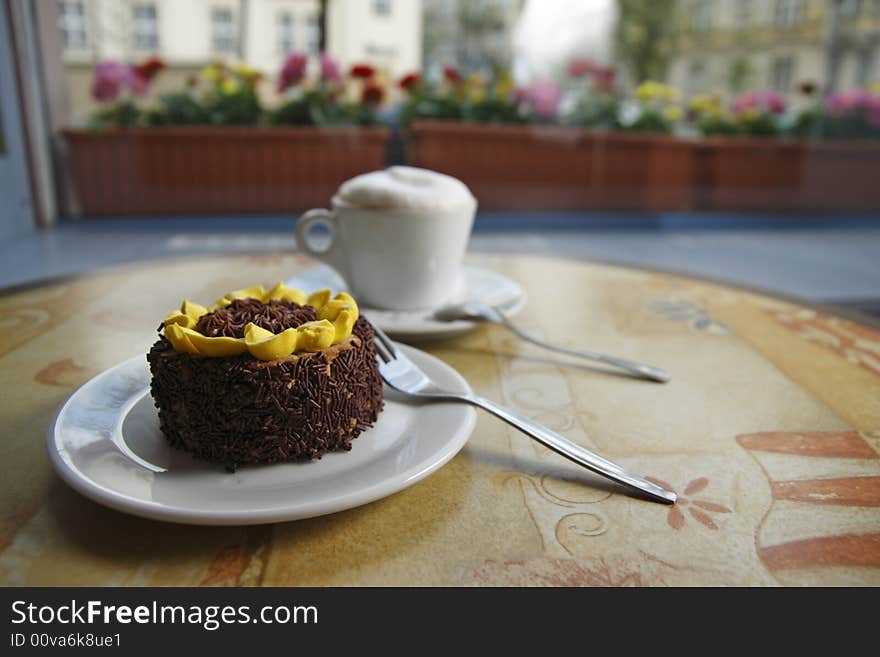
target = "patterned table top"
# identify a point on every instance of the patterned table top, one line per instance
(769, 431)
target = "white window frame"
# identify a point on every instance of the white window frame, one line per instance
(784, 63)
(286, 24)
(701, 20)
(788, 13)
(224, 35)
(312, 34)
(383, 8)
(69, 23)
(145, 30)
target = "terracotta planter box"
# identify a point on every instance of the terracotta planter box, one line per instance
(776, 175)
(201, 170)
(515, 167)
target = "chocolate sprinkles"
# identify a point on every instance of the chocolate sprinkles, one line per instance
(239, 410)
(274, 316)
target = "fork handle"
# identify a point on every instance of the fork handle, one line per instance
(639, 369)
(572, 451)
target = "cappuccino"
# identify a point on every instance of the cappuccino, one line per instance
(406, 187)
(397, 236)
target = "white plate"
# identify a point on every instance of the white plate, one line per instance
(114, 413)
(483, 285)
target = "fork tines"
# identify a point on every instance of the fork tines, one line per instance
(384, 346)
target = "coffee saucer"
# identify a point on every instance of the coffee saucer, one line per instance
(481, 285)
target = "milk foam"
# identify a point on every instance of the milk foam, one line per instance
(406, 187)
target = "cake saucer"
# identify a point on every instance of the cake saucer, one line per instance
(482, 285)
(105, 442)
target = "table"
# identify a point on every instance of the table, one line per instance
(769, 430)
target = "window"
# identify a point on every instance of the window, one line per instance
(865, 67)
(782, 73)
(702, 16)
(382, 7)
(146, 27)
(850, 8)
(72, 22)
(743, 14)
(740, 75)
(223, 32)
(788, 12)
(286, 41)
(313, 35)
(696, 81)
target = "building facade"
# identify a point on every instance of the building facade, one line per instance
(729, 46)
(189, 35)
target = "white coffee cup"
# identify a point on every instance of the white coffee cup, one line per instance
(398, 237)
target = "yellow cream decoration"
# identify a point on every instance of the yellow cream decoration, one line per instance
(336, 318)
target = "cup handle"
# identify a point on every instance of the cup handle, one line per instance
(332, 254)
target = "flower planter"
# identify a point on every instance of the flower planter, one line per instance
(200, 170)
(516, 167)
(842, 176)
(751, 174)
(776, 175)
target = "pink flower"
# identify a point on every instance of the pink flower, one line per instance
(774, 101)
(329, 68)
(111, 77)
(581, 67)
(844, 102)
(760, 101)
(293, 71)
(544, 96)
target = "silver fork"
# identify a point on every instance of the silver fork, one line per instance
(476, 312)
(401, 374)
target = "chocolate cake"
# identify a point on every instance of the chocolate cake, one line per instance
(256, 379)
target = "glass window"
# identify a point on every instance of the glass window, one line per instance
(145, 27)
(313, 35)
(782, 73)
(286, 41)
(382, 7)
(72, 22)
(743, 14)
(696, 82)
(224, 38)
(850, 8)
(701, 20)
(788, 12)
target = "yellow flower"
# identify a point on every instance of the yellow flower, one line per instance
(705, 104)
(229, 86)
(673, 114)
(246, 73)
(649, 90)
(504, 86)
(475, 87)
(213, 72)
(875, 88)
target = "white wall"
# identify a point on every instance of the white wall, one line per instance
(358, 34)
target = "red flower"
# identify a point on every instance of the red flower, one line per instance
(148, 69)
(578, 68)
(364, 71)
(410, 82)
(451, 74)
(603, 77)
(372, 94)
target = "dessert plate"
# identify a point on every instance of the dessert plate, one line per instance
(105, 442)
(482, 285)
